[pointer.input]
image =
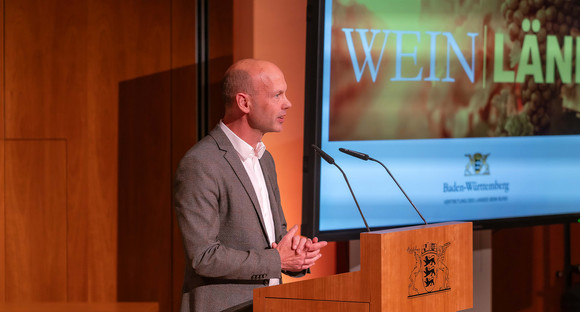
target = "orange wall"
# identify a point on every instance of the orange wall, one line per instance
(278, 34)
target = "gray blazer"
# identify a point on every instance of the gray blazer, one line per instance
(226, 246)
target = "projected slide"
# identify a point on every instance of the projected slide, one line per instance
(453, 69)
(473, 105)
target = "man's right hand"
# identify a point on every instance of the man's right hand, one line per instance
(293, 255)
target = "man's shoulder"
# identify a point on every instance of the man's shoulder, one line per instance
(268, 157)
(206, 144)
(204, 149)
(208, 147)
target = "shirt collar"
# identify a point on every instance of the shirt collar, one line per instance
(244, 149)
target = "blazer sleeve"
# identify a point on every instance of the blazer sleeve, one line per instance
(199, 195)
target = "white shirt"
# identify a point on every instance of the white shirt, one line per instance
(250, 158)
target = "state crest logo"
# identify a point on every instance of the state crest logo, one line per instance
(477, 165)
(430, 273)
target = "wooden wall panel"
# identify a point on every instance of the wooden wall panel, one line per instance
(144, 230)
(36, 222)
(79, 223)
(525, 262)
(184, 129)
(46, 75)
(183, 116)
(221, 54)
(127, 40)
(575, 251)
(2, 222)
(45, 57)
(2, 214)
(64, 63)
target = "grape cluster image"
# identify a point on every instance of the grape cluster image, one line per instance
(542, 102)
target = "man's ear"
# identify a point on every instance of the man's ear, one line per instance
(243, 102)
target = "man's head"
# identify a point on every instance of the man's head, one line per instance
(254, 93)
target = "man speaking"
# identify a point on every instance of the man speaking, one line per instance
(227, 198)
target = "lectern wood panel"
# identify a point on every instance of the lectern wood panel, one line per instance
(282, 305)
(421, 268)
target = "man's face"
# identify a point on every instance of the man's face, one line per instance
(269, 103)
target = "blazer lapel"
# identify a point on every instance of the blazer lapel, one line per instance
(273, 197)
(231, 156)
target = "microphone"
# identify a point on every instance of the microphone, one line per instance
(354, 153)
(325, 156)
(367, 157)
(330, 160)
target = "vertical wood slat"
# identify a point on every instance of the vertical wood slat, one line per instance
(183, 117)
(525, 259)
(574, 250)
(144, 218)
(184, 134)
(45, 68)
(221, 50)
(36, 220)
(127, 41)
(2, 225)
(143, 30)
(46, 79)
(2, 123)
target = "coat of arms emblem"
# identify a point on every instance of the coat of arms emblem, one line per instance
(430, 273)
(477, 164)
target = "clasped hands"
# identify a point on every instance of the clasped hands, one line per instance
(297, 252)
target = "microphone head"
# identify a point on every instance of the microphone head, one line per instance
(324, 156)
(354, 153)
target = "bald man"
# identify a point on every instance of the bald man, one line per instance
(227, 198)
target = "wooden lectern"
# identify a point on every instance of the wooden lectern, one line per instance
(419, 268)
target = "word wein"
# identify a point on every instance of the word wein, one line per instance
(558, 57)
